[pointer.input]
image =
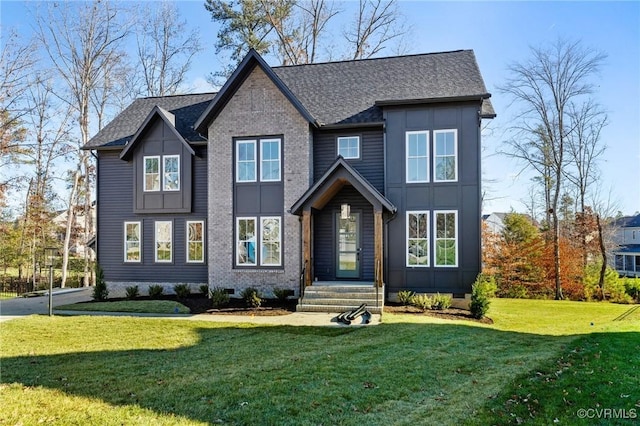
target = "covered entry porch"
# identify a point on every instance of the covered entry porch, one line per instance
(342, 217)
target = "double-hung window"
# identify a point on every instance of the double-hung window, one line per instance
(163, 240)
(246, 241)
(417, 149)
(171, 172)
(132, 242)
(349, 147)
(152, 173)
(270, 242)
(445, 167)
(246, 161)
(270, 160)
(417, 238)
(195, 241)
(446, 238)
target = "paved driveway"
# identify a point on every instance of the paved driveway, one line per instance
(22, 306)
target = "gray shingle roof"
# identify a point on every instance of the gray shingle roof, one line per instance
(346, 92)
(185, 108)
(333, 93)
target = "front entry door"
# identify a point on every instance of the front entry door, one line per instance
(348, 246)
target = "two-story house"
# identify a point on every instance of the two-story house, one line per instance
(627, 246)
(353, 172)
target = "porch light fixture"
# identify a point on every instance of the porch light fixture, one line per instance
(345, 211)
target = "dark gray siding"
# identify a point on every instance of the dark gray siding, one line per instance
(115, 206)
(324, 235)
(370, 164)
(159, 139)
(463, 196)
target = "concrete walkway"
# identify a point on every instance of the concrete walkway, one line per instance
(21, 306)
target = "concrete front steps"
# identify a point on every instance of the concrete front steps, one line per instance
(341, 298)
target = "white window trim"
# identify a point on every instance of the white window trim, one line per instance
(255, 160)
(357, 157)
(262, 219)
(164, 157)
(436, 239)
(414, 212)
(407, 134)
(455, 154)
(189, 222)
(262, 142)
(139, 241)
(155, 240)
(144, 173)
(237, 241)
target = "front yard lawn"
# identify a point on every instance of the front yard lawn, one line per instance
(525, 368)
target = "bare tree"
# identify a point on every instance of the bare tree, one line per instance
(81, 39)
(17, 61)
(165, 49)
(376, 24)
(545, 86)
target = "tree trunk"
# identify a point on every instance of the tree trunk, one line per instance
(603, 252)
(67, 233)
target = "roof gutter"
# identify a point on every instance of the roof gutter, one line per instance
(391, 102)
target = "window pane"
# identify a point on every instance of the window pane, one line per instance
(171, 165)
(195, 242)
(246, 161)
(270, 245)
(417, 157)
(349, 147)
(445, 156)
(246, 234)
(270, 167)
(163, 241)
(151, 173)
(446, 239)
(132, 242)
(417, 239)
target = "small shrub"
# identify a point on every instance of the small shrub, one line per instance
(481, 291)
(132, 292)
(632, 287)
(281, 294)
(251, 297)
(182, 290)
(441, 301)
(405, 297)
(421, 301)
(204, 289)
(219, 297)
(516, 291)
(155, 291)
(100, 291)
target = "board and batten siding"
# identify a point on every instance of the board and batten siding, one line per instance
(325, 235)
(116, 206)
(370, 164)
(463, 196)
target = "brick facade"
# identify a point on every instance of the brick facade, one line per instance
(257, 108)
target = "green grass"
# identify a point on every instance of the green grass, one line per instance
(7, 295)
(408, 370)
(131, 306)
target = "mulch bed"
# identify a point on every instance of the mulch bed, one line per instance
(200, 304)
(449, 314)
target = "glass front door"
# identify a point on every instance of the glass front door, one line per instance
(348, 246)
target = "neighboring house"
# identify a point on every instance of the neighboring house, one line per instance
(362, 171)
(495, 221)
(77, 246)
(627, 250)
